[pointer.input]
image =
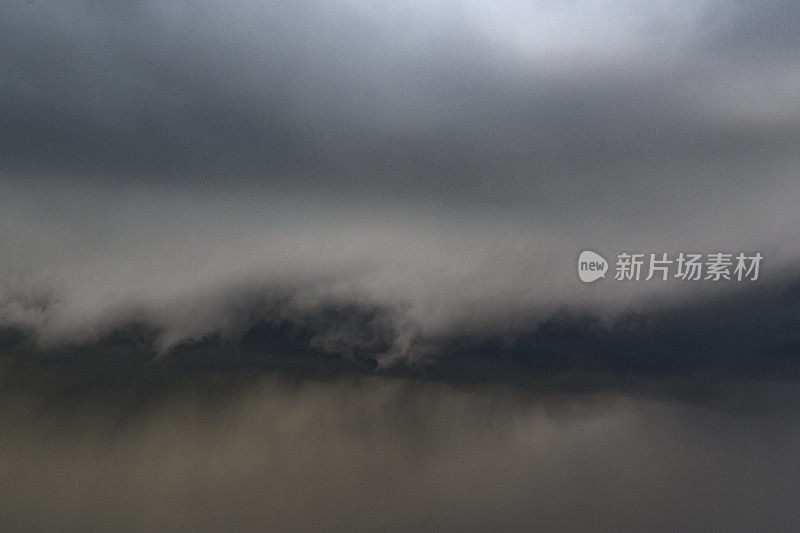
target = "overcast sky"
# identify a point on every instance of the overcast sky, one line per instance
(442, 162)
(296, 265)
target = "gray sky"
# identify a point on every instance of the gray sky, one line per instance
(413, 97)
(444, 162)
(312, 265)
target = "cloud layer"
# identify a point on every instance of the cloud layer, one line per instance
(311, 265)
(203, 168)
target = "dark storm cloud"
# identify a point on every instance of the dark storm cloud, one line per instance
(182, 164)
(311, 265)
(685, 351)
(413, 98)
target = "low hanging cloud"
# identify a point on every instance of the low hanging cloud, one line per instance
(392, 180)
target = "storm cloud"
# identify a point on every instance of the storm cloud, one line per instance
(346, 233)
(403, 97)
(444, 162)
